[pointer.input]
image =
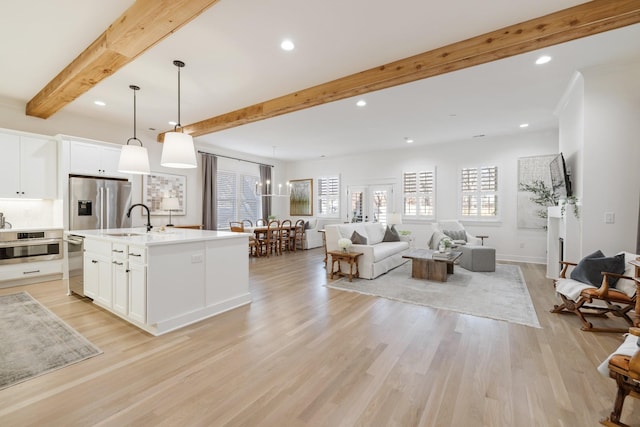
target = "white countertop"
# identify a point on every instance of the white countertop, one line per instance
(168, 236)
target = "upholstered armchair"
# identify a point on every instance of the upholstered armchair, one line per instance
(455, 231)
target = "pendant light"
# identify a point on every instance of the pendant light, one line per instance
(134, 159)
(178, 150)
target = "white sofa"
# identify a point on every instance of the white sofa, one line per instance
(377, 257)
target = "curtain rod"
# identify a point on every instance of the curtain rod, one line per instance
(236, 158)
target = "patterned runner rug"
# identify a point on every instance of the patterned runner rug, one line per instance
(34, 341)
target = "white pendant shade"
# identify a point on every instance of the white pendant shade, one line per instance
(134, 159)
(178, 151)
(170, 203)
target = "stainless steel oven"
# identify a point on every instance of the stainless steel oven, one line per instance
(25, 246)
(75, 252)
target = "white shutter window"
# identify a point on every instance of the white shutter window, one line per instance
(328, 196)
(419, 194)
(479, 192)
(226, 198)
(248, 198)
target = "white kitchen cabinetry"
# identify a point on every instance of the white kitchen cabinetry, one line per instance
(173, 278)
(30, 272)
(137, 284)
(98, 272)
(94, 159)
(28, 167)
(119, 275)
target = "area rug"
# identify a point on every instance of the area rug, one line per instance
(34, 341)
(500, 295)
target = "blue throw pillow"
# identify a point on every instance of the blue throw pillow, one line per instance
(589, 269)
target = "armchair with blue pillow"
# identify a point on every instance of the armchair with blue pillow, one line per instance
(599, 285)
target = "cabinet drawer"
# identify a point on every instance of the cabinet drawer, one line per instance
(118, 250)
(30, 269)
(97, 247)
(137, 255)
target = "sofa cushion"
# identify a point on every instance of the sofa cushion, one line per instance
(310, 224)
(456, 235)
(391, 235)
(589, 269)
(375, 232)
(386, 249)
(358, 239)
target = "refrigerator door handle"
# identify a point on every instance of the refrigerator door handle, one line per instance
(101, 195)
(107, 209)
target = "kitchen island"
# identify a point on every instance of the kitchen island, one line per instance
(166, 279)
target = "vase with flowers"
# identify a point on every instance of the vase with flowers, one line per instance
(445, 245)
(344, 244)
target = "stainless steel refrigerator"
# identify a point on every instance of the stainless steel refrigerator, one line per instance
(98, 203)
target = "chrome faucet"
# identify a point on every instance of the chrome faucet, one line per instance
(149, 226)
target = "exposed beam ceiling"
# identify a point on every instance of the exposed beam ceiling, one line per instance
(140, 27)
(569, 24)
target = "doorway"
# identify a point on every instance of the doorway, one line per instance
(371, 203)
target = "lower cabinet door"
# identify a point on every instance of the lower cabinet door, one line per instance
(138, 293)
(120, 287)
(91, 276)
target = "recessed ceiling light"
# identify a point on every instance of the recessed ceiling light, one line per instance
(100, 103)
(524, 125)
(543, 59)
(361, 103)
(408, 140)
(287, 45)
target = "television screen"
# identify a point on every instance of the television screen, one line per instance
(559, 178)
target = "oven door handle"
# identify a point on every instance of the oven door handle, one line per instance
(34, 242)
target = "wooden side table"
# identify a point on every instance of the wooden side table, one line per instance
(350, 257)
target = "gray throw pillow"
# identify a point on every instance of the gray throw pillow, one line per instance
(391, 235)
(358, 239)
(456, 234)
(589, 269)
(307, 225)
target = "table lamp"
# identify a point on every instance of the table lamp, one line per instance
(170, 204)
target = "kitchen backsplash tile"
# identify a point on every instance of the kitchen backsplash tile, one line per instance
(31, 213)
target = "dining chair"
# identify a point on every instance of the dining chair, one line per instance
(254, 245)
(247, 223)
(236, 226)
(261, 222)
(286, 234)
(272, 238)
(298, 235)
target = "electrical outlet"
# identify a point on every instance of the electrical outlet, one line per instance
(196, 258)
(521, 245)
(609, 217)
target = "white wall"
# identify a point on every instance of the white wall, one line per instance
(611, 157)
(571, 142)
(382, 167)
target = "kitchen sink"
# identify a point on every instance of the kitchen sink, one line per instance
(123, 234)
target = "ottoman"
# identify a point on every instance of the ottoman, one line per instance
(477, 258)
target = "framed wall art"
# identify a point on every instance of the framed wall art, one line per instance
(301, 198)
(158, 186)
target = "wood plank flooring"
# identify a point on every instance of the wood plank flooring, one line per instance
(305, 355)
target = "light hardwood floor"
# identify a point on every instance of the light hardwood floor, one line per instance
(305, 355)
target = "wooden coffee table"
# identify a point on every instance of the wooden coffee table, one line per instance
(424, 266)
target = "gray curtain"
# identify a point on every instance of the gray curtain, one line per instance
(209, 196)
(638, 238)
(265, 174)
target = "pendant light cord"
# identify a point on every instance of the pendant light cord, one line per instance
(178, 64)
(134, 88)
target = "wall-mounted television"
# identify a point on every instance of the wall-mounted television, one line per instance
(560, 178)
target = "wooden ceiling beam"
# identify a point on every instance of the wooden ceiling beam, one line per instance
(569, 24)
(140, 27)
